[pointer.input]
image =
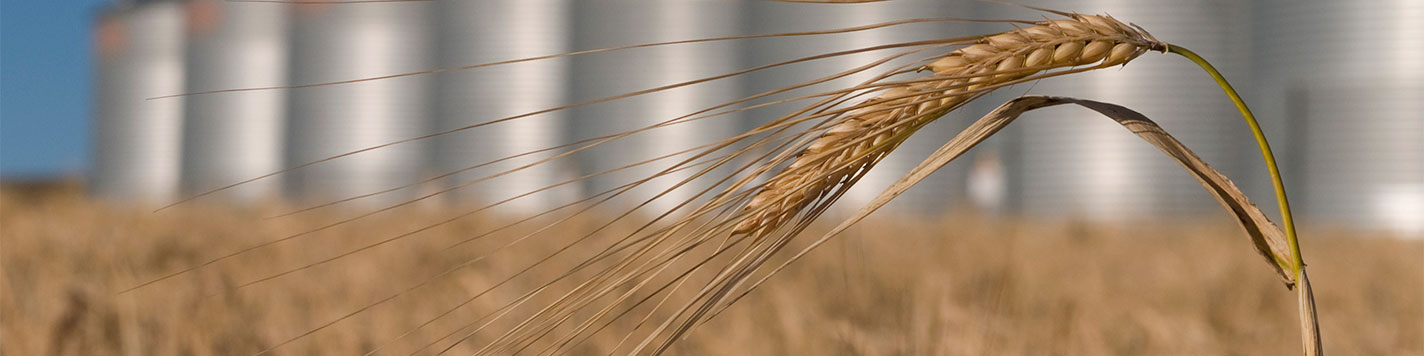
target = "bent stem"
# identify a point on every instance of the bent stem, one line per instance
(1266, 154)
(1297, 265)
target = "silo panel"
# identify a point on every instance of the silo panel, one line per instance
(333, 42)
(137, 141)
(475, 32)
(616, 23)
(230, 137)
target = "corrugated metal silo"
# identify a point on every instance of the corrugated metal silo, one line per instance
(475, 32)
(139, 49)
(1342, 95)
(1069, 161)
(338, 42)
(934, 194)
(230, 137)
(616, 23)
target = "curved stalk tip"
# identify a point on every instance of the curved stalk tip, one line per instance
(1298, 262)
(1310, 327)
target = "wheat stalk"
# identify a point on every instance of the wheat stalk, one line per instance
(881, 123)
(820, 163)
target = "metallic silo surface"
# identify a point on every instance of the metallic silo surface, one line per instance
(137, 151)
(930, 196)
(1347, 115)
(230, 137)
(604, 24)
(339, 42)
(475, 32)
(1069, 161)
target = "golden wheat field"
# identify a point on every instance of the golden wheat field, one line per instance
(958, 285)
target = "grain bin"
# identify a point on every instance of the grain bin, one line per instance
(1350, 126)
(338, 42)
(229, 137)
(475, 32)
(139, 54)
(617, 23)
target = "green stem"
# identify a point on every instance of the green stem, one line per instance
(1265, 153)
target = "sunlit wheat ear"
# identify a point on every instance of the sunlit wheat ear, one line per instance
(956, 78)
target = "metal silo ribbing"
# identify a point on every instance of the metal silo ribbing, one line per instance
(337, 42)
(474, 32)
(1348, 115)
(603, 24)
(139, 49)
(230, 137)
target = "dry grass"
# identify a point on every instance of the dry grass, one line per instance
(962, 285)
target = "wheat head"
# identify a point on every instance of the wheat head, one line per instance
(879, 124)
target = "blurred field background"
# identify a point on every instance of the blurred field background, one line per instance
(940, 282)
(961, 285)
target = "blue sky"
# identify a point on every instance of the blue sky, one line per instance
(45, 77)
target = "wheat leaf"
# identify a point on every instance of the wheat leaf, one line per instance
(1268, 239)
(1266, 236)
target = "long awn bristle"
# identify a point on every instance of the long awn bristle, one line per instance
(956, 78)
